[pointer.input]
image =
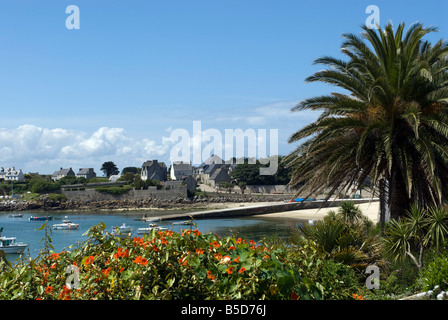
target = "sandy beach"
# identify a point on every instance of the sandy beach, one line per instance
(368, 209)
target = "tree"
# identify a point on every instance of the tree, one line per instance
(109, 168)
(250, 173)
(133, 170)
(420, 229)
(390, 123)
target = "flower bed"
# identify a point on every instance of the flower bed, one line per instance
(160, 265)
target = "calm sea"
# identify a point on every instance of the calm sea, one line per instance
(254, 228)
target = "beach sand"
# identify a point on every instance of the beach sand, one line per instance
(368, 209)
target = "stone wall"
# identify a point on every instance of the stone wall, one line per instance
(270, 189)
(132, 195)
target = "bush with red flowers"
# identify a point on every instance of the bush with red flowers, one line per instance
(159, 265)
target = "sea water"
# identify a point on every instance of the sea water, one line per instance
(250, 228)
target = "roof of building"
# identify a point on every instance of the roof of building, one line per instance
(149, 163)
(85, 171)
(63, 172)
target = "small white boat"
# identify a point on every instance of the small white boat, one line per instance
(15, 215)
(152, 226)
(123, 230)
(66, 225)
(186, 223)
(9, 245)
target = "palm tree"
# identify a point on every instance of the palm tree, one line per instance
(390, 123)
(346, 236)
(420, 229)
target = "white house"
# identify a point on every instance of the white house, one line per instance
(11, 174)
(180, 170)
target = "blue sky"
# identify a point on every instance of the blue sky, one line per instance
(136, 70)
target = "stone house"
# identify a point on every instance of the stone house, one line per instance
(214, 174)
(188, 181)
(180, 170)
(11, 174)
(61, 173)
(154, 170)
(86, 173)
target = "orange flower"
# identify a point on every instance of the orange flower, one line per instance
(199, 251)
(137, 259)
(89, 260)
(143, 262)
(217, 256)
(54, 256)
(137, 240)
(237, 259)
(242, 270)
(229, 270)
(183, 261)
(65, 293)
(210, 275)
(106, 271)
(238, 241)
(163, 240)
(120, 253)
(49, 289)
(154, 248)
(232, 248)
(216, 244)
(197, 232)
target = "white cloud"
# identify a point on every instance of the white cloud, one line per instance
(32, 148)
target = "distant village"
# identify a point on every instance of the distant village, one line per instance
(213, 172)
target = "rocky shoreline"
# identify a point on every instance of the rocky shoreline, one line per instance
(195, 203)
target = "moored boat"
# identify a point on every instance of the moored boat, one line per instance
(44, 218)
(9, 244)
(152, 226)
(66, 225)
(121, 230)
(186, 223)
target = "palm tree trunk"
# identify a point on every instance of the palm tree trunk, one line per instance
(398, 198)
(384, 203)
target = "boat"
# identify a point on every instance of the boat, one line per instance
(152, 226)
(9, 244)
(123, 230)
(66, 225)
(15, 215)
(45, 218)
(186, 222)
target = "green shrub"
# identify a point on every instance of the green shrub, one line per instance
(57, 197)
(435, 273)
(114, 190)
(338, 280)
(160, 265)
